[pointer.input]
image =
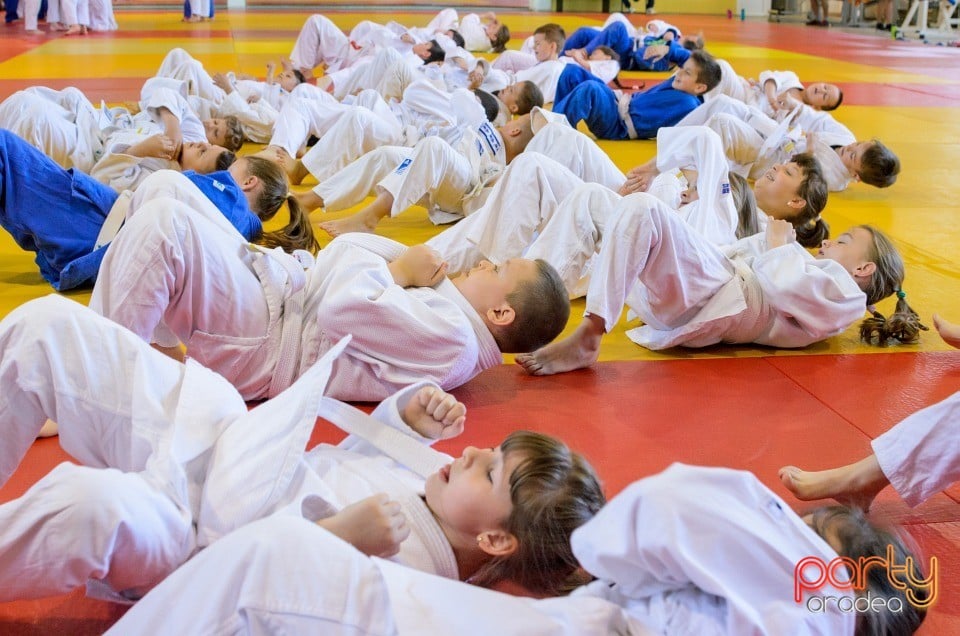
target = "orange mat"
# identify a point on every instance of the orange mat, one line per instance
(744, 407)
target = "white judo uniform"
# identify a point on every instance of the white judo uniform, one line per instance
(780, 297)
(454, 181)
(754, 142)
(173, 459)
(261, 320)
(920, 455)
(61, 124)
(424, 110)
(541, 209)
(689, 551)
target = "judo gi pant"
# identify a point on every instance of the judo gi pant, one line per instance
(321, 42)
(173, 276)
(920, 455)
(117, 518)
(595, 104)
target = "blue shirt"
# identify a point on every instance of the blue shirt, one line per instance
(662, 105)
(219, 187)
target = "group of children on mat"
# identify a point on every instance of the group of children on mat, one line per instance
(548, 217)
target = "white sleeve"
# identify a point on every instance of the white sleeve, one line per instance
(388, 413)
(783, 80)
(717, 529)
(121, 171)
(256, 119)
(818, 296)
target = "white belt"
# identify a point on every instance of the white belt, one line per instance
(116, 216)
(623, 106)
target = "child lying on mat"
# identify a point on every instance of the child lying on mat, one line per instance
(173, 460)
(689, 551)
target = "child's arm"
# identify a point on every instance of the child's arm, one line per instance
(171, 127)
(418, 266)
(271, 72)
(160, 146)
(376, 525)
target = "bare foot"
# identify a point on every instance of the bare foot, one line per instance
(852, 485)
(578, 350)
(353, 223)
(193, 18)
(947, 330)
(56, 26)
(75, 29)
(33, 31)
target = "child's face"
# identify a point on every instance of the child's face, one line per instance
(491, 30)
(288, 81)
(777, 187)
(851, 249)
(821, 95)
(852, 155)
(686, 79)
(487, 285)
(200, 157)
(216, 130)
(543, 49)
(472, 494)
(422, 50)
(508, 96)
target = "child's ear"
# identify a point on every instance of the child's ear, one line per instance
(249, 182)
(501, 316)
(797, 203)
(497, 543)
(701, 88)
(865, 270)
(513, 108)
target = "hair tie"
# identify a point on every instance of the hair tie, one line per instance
(901, 294)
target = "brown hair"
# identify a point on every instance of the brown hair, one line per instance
(233, 136)
(708, 71)
(879, 167)
(746, 205)
(606, 50)
(554, 491)
(552, 32)
(225, 160)
(528, 97)
(274, 191)
(810, 228)
(695, 44)
(887, 279)
(499, 43)
(541, 307)
(854, 537)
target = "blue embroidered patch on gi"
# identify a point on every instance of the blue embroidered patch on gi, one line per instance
(491, 137)
(403, 166)
(725, 188)
(219, 186)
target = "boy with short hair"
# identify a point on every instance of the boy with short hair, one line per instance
(641, 115)
(261, 320)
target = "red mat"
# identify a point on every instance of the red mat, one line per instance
(634, 418)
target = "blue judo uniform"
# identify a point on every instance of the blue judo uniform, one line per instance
(58, 213)
(583, 97)
(630, 51)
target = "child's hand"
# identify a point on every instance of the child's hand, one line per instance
(435, 414)
(376, 525)
(159, 146)
(407, 39)
(418, 266)
(779, 232)
(221, 80)
(655, 52)
(476, 77)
